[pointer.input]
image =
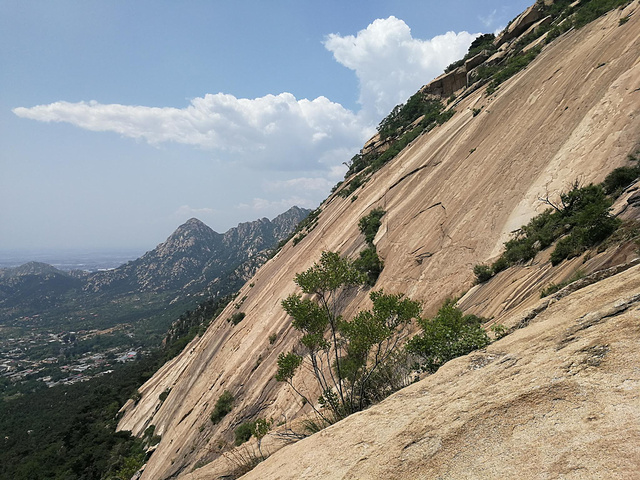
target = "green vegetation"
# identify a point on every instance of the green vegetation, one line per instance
(243, 433)
(272, 338)
(579, 220)
(237, 317)
(223, 405)
(554, 287)
(369, 263)
(370, 224)
(355, 350)
(448, 335)
(400, 127)
(193, 323)
(68, 431)
(499, 73)
(483, 42)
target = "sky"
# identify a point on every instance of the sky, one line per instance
(121, 119)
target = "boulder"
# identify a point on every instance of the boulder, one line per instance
(519, 25)
(473, 62)
(446, 84)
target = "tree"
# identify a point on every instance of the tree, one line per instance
(343, 355)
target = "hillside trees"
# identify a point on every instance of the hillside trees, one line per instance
(344, 355)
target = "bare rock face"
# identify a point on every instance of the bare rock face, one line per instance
(557, 399)
(520, 24)
(446, 84)
(452, 198)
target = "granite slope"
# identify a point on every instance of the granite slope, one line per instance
(452, 198)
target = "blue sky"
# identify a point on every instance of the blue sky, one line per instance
(119, 120)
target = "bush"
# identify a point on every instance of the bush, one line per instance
(369, 264)
(223, 405)
(482, 273)
(163, 396)
(619, 179)
(370, 224)
(356, 350)
(448, 335)
(237, 317)
(243, 433)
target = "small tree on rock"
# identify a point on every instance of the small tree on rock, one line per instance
(343, 355)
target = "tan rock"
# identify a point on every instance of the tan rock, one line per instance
(447, 210)
(559, 398)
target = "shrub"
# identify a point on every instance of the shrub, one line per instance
(448, 335)
(499, 265)
(482, 273)
(163, 396)
(243, 433)
(223, 405)
(370, 224)
(272, 338)
(369, 264)
(620, 178)
(555, 287)
(345, 346)
(237, 317)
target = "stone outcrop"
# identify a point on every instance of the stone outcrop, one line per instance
(452, 198)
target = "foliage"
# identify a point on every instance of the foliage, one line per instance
(578, 221)
(593, 9)
(344, 355)
(554, 287)
(369, 264)
(404, 114)
(164, 395)
(448, 335)
(482, 273)
(272, 338)
(237, 317)
(68, 431)
(483, 42)
(243, 432)
(513, 65)
(499, 330)
(223, 405)
(370, 224)
(192, 323)
(620, 178)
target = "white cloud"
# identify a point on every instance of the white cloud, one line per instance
(281, 132)
(489, 20)
(390, 64)
(275, 131)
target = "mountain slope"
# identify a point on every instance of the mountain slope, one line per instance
(452, 197)
(194, 262)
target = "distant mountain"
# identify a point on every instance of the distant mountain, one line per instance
(195, 261)
(195, 255)
(34, 283)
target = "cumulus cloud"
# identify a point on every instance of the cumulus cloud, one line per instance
(276, 131)
(281, 132)
(390, 64)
